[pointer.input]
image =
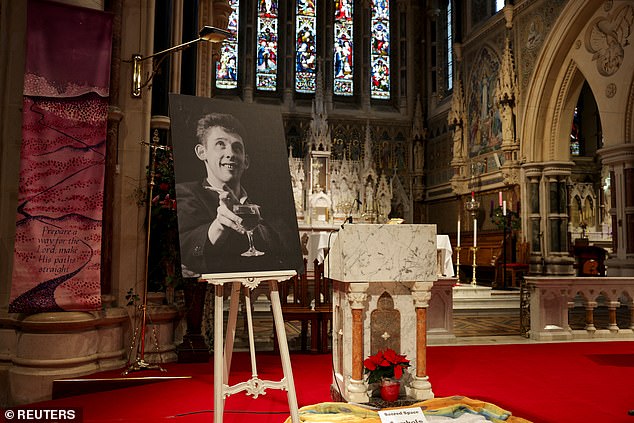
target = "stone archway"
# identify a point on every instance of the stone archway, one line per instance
(568, 59)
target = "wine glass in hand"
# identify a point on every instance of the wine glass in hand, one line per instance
(250, 215)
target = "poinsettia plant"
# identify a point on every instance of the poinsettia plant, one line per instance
(164, 257)
(385, 364)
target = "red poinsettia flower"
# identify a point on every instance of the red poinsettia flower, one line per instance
(385, 364)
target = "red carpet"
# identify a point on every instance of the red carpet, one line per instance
(558, 383)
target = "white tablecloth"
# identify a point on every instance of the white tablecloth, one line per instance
(445, 266)
(318, 245)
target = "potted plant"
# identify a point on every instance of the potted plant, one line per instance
(386, 367)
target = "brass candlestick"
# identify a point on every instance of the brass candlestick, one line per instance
(473, 277)
(138, 337)
(458, 263)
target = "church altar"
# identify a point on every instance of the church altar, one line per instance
(382, 279)
(319, 242)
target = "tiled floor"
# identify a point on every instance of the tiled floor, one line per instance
(470, 327)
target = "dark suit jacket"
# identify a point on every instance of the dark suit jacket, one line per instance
(197, 208)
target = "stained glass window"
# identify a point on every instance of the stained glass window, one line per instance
(227, 66)
(306, 46)
(380, 50)
(266, 71)
(343, 48)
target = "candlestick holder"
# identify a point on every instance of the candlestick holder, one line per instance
(458, 263)
(472, 207)
(473, 277)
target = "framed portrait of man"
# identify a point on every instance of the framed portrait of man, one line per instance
(234, 198)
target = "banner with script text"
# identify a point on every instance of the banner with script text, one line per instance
(57, 259)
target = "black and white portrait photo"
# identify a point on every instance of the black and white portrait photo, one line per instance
(234, 199)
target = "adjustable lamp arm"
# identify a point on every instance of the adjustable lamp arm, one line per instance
(207, 33)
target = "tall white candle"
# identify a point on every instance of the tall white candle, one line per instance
(504, 208)
(475, 232)
(458, 232)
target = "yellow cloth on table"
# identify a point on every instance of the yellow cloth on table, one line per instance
(448, 407)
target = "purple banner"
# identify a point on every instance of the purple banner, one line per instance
(60, 199)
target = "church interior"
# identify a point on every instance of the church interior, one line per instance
(494, 138)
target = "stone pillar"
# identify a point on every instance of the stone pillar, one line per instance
(620, 162)
(357, 295)
(532, 217)
(420, 388)
(555, 209)
(612, 324)
(590, 307)
(546, 217)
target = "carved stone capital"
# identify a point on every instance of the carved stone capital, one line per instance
(357, 295)
(421, 294)
(511, 175)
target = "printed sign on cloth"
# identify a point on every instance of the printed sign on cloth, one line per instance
(60, 199)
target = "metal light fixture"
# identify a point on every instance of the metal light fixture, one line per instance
(207, 33)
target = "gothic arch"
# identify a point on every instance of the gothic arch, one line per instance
(561, 68)
(576, 50)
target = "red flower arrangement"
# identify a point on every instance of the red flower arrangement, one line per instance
(385, 364)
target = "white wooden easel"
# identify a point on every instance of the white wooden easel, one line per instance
(254, 386)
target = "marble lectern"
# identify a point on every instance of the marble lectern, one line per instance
(382, 279)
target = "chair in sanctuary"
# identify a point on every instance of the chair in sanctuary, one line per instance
(323, 304)
(517, 263)
(296, 306)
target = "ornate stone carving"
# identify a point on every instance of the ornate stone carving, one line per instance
(385, 325)
(511, 175)
(421, 294)
(357, 299)
(296, 167)
(607, 36)
(457, 119)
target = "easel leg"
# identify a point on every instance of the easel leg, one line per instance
(247, 302)
(284, 354)
(218, 356)
(231, 326)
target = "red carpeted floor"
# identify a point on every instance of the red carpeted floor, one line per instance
(550, 383)
(553, 382)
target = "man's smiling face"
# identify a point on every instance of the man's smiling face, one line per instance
(224, 157)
